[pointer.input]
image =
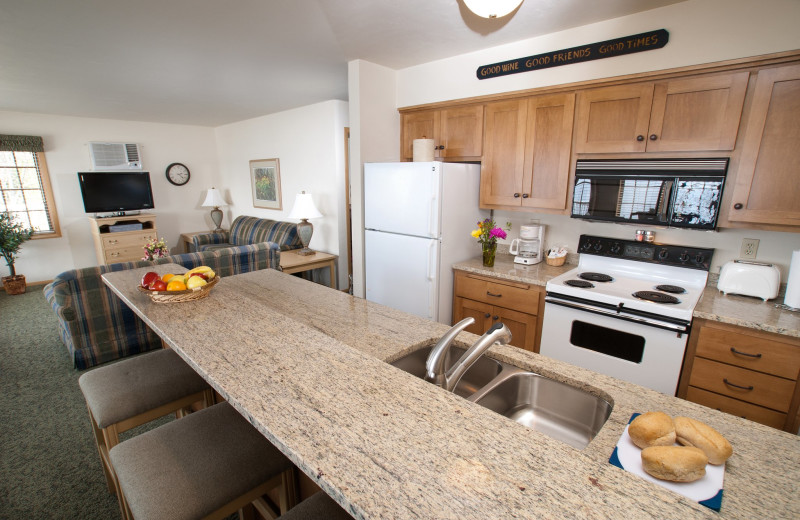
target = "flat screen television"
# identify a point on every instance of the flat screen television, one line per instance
(116, 192)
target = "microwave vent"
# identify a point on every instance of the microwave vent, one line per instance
(115, 156)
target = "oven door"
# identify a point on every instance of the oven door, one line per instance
(628, 349)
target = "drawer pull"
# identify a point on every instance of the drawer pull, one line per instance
(495, 317)
(745, 353)
(493, 295)
(486, 315)
(748, 388)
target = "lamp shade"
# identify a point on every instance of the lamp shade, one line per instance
(213, 199)
(492, 8)
(304, 207)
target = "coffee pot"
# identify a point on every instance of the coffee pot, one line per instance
(528, 247)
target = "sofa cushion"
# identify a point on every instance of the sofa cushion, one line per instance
(251, 230)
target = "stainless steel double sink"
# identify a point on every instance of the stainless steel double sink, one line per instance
(556, 409)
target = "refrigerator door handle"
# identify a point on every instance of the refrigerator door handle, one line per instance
(431, 260)
(432, 217)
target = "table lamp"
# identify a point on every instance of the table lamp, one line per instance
(214, 200)
(304, 209)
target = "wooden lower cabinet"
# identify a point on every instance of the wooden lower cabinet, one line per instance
(123, 246)
(490, 300)
(743, 372)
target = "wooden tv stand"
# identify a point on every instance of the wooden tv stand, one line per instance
(122, 246)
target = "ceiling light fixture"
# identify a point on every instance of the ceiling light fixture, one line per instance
(492, 8)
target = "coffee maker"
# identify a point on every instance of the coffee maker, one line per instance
(528, 247)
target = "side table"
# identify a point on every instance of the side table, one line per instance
(187, 239)
(292, 263)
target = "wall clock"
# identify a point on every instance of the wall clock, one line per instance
(177, 174)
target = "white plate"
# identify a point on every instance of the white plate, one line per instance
(707, 490)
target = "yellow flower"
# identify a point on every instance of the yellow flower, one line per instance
(476, 233)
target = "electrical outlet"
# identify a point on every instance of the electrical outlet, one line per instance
(749, 248)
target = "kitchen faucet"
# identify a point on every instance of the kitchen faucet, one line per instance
(434, 366)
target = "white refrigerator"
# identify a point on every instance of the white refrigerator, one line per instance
(418, 217)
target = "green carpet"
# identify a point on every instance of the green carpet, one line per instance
(49, 466)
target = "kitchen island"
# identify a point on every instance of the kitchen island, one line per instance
(307, 366)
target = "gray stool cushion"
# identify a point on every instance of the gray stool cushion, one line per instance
(189, 468)
(125, 389)
(319, 506)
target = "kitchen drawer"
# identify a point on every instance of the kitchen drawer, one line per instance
(761, 389)
(511, 295)
(125, 240)
(751, 351)
(749, 411)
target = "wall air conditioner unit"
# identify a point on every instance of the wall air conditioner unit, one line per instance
(115, 156)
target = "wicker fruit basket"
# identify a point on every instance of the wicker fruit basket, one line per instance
(188, 295)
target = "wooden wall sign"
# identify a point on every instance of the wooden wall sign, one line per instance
(594, 51)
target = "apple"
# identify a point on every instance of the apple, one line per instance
(158, 285)
(201, 275)
(148, 278)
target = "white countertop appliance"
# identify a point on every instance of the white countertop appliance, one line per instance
(626, 310)
(528, 247)
(418, 219)
(750, 278)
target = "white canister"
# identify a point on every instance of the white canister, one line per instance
(422, 150)
(792, 297)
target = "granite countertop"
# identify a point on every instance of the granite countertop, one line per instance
(736, 310)
(307, 366)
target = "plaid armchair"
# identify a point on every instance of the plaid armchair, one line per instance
(97, 327)
(251, 230)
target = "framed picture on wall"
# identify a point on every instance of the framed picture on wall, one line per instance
(265, 178)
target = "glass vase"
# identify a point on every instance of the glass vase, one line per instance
(489, 251)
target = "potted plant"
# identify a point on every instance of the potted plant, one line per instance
(12, 236)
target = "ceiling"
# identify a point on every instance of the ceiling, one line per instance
(212, 62)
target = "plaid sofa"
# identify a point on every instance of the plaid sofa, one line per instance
(97, 327)
(251, 230)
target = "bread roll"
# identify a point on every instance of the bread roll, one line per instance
(674, 463)
(691, 432)
(652, 429)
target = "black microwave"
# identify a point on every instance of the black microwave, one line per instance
(679, 193)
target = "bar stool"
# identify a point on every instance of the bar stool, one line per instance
(207, 465)
(135, 391)
(317, 507)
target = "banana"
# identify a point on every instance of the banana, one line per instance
(203, 269)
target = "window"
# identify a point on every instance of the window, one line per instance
(25, 190)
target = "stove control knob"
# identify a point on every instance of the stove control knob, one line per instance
(586, 246)
(684, 257)
(598, 246)
(616, 248)
(699, 258)
(663, 254)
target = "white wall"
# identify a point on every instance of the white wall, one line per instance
(66, 151)
(374, 137)
(700, 31)
(309, 143)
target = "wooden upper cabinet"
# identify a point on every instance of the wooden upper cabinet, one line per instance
(767, 188)
(456, 132)
(526, 153)
(700, 113)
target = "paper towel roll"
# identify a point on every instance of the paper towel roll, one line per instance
(792, 298)
(422, 150)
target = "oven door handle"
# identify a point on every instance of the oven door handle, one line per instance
(618, 315)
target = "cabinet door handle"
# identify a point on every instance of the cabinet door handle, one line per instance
(487, 315)
(653, 137)
(495, 317)
(516, 195)
(494, 295)
(738, 205)
(525, 195)
(748, 388)
(745, 353)
(640, 138)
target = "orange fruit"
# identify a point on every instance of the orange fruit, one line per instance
(176, 285)
(166, 277)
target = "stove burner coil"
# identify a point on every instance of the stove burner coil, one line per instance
(674, 289)
(595, 277)
(579, 283)
(657, 297)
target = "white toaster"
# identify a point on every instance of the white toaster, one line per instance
(750, 279)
